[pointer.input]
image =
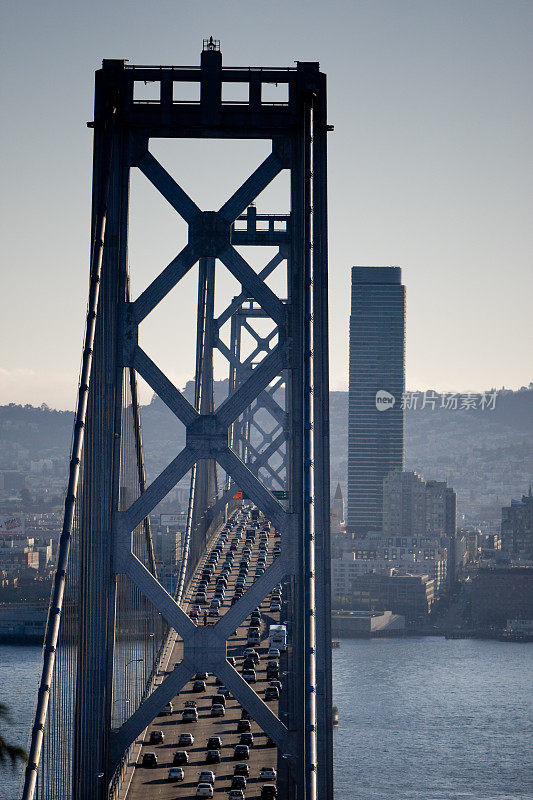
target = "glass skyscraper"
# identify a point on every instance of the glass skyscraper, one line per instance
(377, 382)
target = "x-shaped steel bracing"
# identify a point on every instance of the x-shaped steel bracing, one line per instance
(207, 437)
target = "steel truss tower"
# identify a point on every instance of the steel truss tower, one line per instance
(294, 364)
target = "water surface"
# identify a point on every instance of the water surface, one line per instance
(420, 719)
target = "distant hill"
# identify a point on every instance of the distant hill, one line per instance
(487, 456)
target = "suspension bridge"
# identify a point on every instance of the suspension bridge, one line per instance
(120, 650)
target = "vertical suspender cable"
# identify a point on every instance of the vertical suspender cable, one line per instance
(56, 601)
(140, 463)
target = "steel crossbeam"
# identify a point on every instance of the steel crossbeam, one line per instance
(290, 360)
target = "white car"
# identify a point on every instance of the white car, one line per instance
(206, 776)
(273, 652)
(166, 710)
(204, 790)
(267, 774)
(176, 774)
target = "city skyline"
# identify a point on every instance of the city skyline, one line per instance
(429, 168)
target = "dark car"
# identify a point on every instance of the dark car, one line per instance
(212, 757)
(150, 759)
(247, 739)
(244, 726)
(180, 757)
(268, 791)
(199, 686)
(251, 653)
(157, 737)
(241, 769)
(249, 663)
(214, 743)
(238, 782)
(246, 714)
(200, 676)
(271, 693)
(241, 751)
(218, 699)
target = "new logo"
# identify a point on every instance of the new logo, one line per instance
(384, 400)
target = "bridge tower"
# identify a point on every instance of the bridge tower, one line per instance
(286, 375)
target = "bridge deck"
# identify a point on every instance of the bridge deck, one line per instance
(153, 782)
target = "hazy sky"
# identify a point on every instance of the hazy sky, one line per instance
(430, 168)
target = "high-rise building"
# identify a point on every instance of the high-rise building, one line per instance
(404, 504)
(441, 509)
(517, 530)
(415, 507)
(377, 382)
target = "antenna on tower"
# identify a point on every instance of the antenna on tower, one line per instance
(211, 44)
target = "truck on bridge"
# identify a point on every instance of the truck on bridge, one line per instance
(278, 636)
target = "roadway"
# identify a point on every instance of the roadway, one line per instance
(148, 783)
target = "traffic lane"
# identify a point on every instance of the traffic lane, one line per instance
(158, 785)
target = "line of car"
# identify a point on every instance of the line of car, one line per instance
(244, 527)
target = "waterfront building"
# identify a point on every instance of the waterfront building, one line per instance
(376, 386)
(500, 594)
(419, 556)
(409, 595)
(517, 530)
(365, 624)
